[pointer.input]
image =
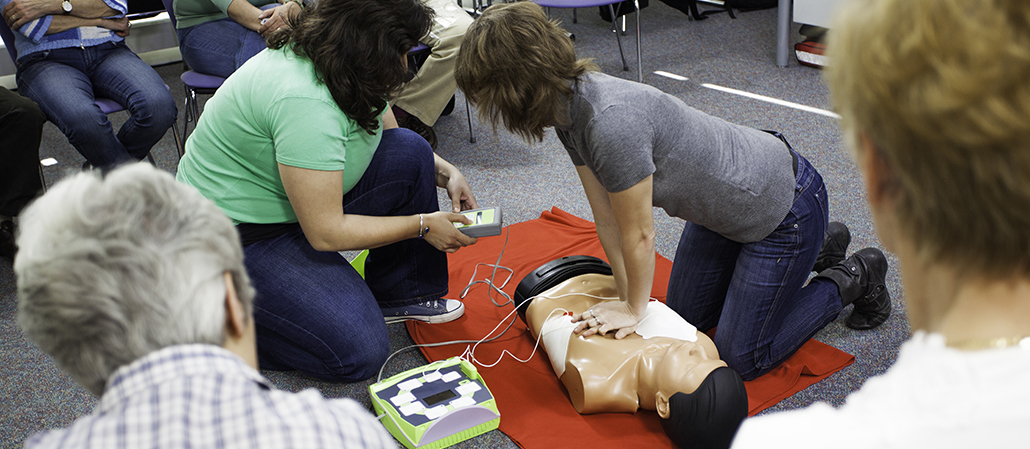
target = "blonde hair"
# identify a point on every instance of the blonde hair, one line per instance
(516, 66)
(942, 90)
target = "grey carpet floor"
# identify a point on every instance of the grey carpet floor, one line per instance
(526, 179)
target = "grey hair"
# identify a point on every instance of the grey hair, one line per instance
(111, 269)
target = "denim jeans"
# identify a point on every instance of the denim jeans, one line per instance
(219, 47)
(753, 291)
(63, 83)
(313, 312)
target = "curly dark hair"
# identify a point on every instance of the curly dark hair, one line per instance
(358, 49)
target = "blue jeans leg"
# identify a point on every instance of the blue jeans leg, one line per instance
(219, 47)
(401, 180)
(64, 83)
(313, 312)
(754, 291)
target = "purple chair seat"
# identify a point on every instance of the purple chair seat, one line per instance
(201, 81)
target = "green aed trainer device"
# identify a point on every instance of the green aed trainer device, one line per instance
(436, 405)
(485, 222)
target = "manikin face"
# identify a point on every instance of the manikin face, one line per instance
(683, 368)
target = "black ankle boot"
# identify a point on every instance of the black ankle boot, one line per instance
(861, 280)
(835, 246)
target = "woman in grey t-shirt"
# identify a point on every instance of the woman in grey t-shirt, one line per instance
(756, 210)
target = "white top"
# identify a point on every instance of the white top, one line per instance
(933, 396)
(658, 321)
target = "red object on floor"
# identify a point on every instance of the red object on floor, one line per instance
(535, 409)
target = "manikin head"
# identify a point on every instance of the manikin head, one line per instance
(111, 269)
(701, 401)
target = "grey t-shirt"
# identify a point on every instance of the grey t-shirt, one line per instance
(731, 179)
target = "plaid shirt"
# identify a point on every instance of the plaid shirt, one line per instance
(203, 396)
(32, 37)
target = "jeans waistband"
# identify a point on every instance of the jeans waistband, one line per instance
(790, 149)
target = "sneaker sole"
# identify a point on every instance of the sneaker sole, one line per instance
(431, 319)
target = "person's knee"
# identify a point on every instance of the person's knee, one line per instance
(410, 149)
(743, 360)
(154, 108)
(85, 126)
(358, 360)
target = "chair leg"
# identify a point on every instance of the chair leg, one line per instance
(178, 143)
(640, 63)
(618, 38)
(150, 158)
(468, 112)
(190, 114)
(42, 180)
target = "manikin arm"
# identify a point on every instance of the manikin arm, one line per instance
(625, 227)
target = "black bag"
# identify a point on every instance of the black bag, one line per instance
(621, 9)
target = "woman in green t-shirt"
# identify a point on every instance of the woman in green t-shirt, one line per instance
(298, 147)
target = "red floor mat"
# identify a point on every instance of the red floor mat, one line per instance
(535, 411)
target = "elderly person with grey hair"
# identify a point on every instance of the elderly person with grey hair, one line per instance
(135, 285)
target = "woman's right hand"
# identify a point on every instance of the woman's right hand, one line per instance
(442, 233)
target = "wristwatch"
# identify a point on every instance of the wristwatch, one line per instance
(66, 6)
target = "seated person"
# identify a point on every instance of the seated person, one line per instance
(135, 285)
(665, 365)
(217, 36)
(939, 125)
(69, 52)
(21, 125)
(756, 210)
(314, 164)
(423, 99)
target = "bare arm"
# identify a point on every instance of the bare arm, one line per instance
(29, 10)
(625, 227)
(317, 199)
(450, 178)
(58, 24)
(245, 14)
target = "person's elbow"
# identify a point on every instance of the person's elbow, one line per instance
(322, 240)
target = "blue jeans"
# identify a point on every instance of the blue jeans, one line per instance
(753, 291)
(313, 312)
(219, 47)
(63, 83)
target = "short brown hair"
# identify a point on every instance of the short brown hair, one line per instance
(942, 90)
(516, 65)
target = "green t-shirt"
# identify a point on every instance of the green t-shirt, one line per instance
(195, 12)
(271, 110)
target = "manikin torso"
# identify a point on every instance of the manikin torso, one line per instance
(602, 374)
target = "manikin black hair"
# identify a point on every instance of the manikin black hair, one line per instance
(709, 417)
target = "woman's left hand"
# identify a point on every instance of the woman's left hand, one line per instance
(606, 317)
(276, 18)
(450, 178)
